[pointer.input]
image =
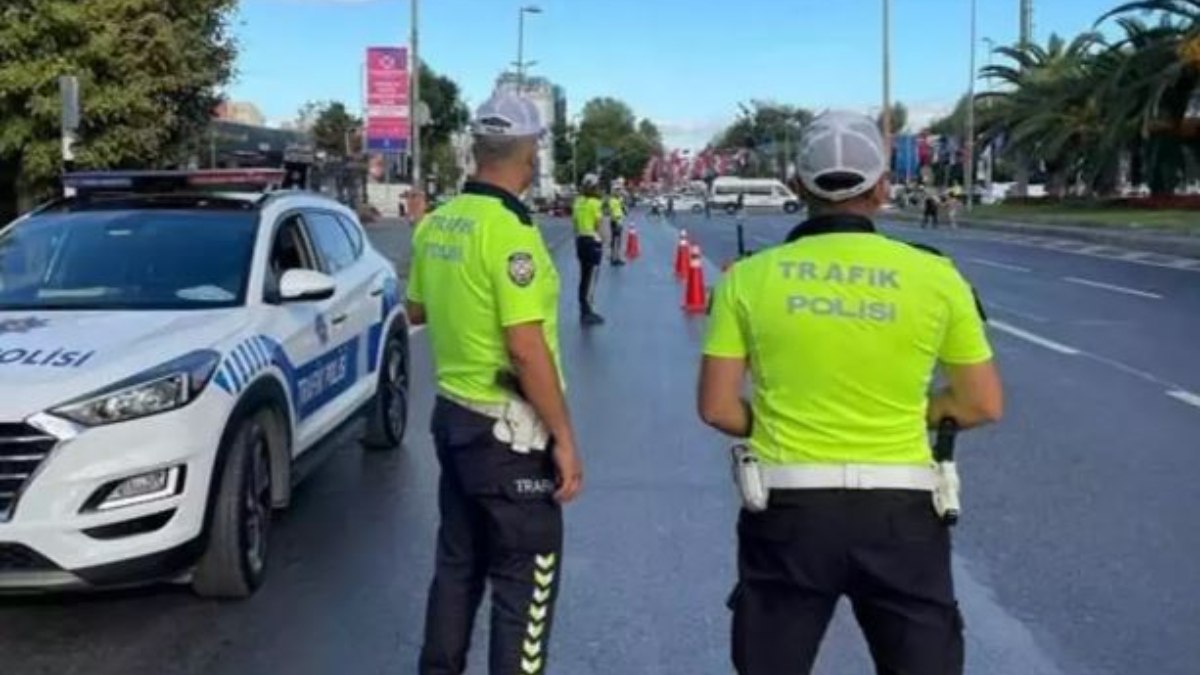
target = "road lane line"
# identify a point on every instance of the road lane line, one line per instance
(1008, 309)
(1185, 396)
(1033, 338)
(1113, 287)
(998, 265)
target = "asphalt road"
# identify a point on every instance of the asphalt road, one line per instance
(1077, 555)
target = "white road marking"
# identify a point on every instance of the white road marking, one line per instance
(1033, 338)
(1032, 241)
(1185, 396)
(1135, 256)
(998, 265)
(1008, 309)
(1113, 287)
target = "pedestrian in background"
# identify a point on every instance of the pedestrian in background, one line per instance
(484, 283)
(846, 327)
(930, 216)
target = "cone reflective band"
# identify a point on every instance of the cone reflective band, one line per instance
(694, 300)
(633, 247)
(681, 257)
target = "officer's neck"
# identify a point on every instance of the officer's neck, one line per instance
(510, 181)
(860, 209)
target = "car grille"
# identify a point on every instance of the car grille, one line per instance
(22, 450)
(21, 558)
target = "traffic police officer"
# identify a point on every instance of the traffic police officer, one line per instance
(616, 216)
(587, 214)
(842, 329)
(483, 282)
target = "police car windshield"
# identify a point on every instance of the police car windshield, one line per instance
(127, 259)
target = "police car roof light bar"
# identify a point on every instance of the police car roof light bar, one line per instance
(160, 182)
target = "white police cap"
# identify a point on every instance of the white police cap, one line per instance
(507, 114)
(841, 156)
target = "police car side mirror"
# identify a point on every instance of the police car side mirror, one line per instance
(305, 286)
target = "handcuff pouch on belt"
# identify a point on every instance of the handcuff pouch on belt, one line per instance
(520, 427)
(747, 475)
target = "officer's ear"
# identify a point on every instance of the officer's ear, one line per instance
(881, 192)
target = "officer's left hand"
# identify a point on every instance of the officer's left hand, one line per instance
(570, 471)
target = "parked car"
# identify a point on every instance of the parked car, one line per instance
(174, 359)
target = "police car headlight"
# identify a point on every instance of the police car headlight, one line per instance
(166, 387)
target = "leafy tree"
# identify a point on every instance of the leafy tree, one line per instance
(148, 71)
(562, 134)
(448, 115)
(334, 130)
(771, 131)
(612, 140)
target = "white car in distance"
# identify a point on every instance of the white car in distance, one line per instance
(173, 358)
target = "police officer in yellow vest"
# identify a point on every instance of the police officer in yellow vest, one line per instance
(616, 218)
(841, 329)
(587, 214)
(483, 282)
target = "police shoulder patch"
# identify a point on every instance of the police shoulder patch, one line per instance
(521, 269)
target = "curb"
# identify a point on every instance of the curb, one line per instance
(1151, 242)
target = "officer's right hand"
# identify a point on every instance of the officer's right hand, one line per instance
(570, 472)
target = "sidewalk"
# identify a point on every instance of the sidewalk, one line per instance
(1141, 240)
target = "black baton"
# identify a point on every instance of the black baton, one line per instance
(943, 447)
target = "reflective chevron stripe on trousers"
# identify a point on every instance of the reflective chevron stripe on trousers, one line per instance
(500, 526)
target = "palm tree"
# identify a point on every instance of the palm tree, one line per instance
(1046, 108)
(1156, 85)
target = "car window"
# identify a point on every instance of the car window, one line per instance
(290, 249)
(332, 242)
(354, 232)
(122, 259)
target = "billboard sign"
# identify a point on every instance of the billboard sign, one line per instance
(387, 102)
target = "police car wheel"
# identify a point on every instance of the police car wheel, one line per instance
(696, 208)
(390, 415)
(235, 560)
(791, 207)
(731, 209)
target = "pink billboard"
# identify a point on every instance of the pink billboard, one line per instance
(387, 99)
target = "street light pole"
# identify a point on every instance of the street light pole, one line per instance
(991, 153)
(527, 9)
(520, 50)
(887, 80)
(969, 154)
(414, 100)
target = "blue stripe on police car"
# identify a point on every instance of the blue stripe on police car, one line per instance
(312, 384)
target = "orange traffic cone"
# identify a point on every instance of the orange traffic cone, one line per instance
(694, 300)
(681, 257)
(633, 247)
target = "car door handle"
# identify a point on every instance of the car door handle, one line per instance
(376, 292)
(338, 320)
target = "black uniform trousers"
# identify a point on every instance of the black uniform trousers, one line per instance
(886, 550)
(499, 524)
(590, 252)
(616, 238)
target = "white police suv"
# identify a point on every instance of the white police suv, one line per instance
(174, 354)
